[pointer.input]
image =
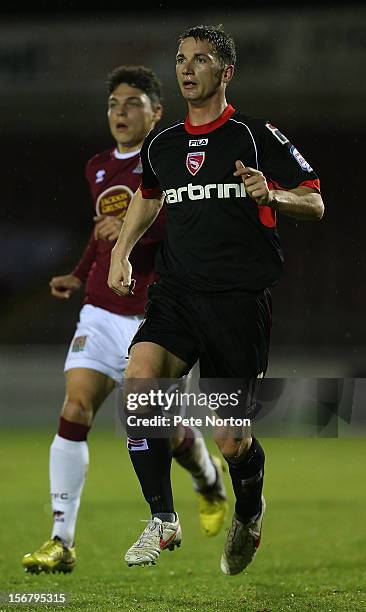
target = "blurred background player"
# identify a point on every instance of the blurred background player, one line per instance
(97, 356)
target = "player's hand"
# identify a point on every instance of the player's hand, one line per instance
(107, 227)
(119, 277)
(255, 183)
(64, 286)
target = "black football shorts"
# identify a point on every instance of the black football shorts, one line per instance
(228, 333)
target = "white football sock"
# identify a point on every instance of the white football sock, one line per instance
(69, 462)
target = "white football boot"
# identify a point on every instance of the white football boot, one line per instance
(157, 536)
(242, 543)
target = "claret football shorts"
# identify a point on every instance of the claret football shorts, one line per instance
(101, 341)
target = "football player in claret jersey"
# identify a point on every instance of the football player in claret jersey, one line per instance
(97, 356)
(223, 178)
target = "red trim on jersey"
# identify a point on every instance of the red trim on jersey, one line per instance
(312, 183)
(212, 125)
(151, 194)
(267, 216)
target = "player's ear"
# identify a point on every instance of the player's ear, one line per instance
(158, 112)
(228, 73)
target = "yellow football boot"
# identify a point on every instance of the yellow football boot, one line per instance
(53, 556)
(212, 503)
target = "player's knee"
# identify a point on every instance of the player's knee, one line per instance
(78, 410)
(232, 449)
(141, 369)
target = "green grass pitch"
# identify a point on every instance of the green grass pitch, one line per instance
(312, 555)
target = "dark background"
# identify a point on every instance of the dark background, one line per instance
(54, 67)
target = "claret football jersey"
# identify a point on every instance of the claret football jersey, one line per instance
(113, 178)
(217, 238)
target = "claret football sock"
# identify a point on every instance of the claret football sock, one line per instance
(69, 460)
(192, 454)
(247, 478)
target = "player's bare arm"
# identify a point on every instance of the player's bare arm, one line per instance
(302, 203)
(140, 215)
(107, 227)
(64, 286)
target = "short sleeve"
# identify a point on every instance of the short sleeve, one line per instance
(281, 162)
(88, 173)
(150, 186)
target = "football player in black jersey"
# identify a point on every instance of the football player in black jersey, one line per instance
(223, 177)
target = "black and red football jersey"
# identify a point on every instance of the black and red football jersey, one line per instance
(113, 178)
(217, 238)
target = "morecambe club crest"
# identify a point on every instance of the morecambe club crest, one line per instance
(194, 161)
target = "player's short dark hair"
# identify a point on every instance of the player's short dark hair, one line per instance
(137, 76)
(223, 43)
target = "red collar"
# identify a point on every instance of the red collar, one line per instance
(213, 125)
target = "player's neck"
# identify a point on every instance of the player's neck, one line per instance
(128, 149)
(209, 111)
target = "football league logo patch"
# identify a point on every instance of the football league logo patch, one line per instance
(300, 160)
(194, 162)
(78, 344)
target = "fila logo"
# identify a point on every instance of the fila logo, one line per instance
(194, 162)
(198, 143)
(201, 192)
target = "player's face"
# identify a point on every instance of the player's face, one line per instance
(131, 116)
(199, 71)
